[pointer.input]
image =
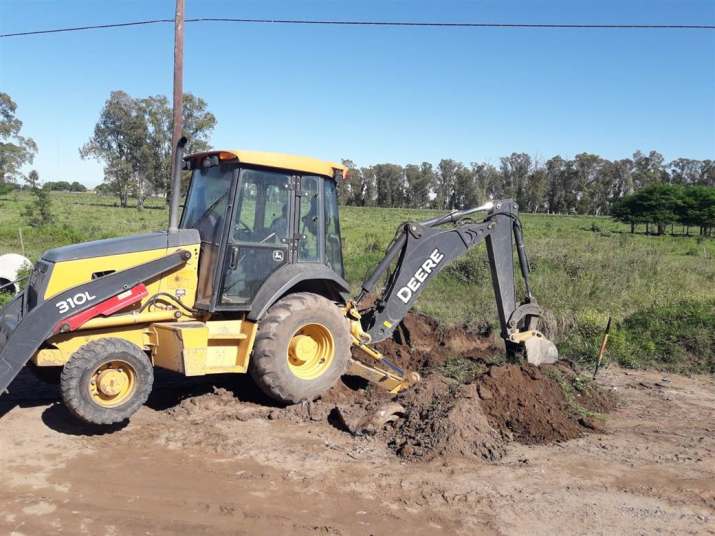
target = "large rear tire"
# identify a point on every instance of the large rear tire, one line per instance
(106, 381)
(302, 348)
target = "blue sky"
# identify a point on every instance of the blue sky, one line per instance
(377, 94)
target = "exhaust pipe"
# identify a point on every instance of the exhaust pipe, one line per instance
(176, 185)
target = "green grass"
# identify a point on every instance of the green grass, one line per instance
(572, 388)
(584, 269)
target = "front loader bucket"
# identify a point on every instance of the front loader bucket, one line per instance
(11, 361)
(23, 332)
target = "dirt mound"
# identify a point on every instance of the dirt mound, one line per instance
(507, 403)
(541, 404)
(444, 418)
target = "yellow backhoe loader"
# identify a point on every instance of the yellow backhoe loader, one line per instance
(248, 279)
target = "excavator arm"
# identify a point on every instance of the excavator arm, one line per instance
(420, 251)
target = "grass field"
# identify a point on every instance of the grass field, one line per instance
(659, 290)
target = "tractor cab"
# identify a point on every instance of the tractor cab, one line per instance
(264, 219)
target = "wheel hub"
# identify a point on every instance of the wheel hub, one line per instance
(112, 384)
(311, 351)
(303, 348)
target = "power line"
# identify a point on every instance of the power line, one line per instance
(376, 23)
(82, 28)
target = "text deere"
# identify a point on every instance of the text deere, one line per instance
(422, 273)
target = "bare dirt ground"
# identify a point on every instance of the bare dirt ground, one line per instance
(197, 462)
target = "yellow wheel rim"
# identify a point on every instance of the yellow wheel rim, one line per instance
(112, 384)
(311, 351)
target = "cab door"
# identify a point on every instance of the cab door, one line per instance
(259, 237)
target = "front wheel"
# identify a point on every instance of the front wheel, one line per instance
(106, 381)
(302, 348)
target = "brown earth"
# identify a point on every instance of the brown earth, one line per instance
(421, 343)
(481, 448)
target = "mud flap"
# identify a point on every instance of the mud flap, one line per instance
(22, 335)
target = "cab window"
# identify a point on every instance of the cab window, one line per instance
(263, 202)
(309, 220)
(207, 201)
(333, 244)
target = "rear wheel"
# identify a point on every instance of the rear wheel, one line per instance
(106, 381)
(302, 348)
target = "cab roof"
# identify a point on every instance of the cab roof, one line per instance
(303, 164)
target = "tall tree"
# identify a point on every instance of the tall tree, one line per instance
(536, 190)
(389, 180)
(445, 180)
(515, 170)
(198, 124)
(620, 174)
(133, 139)
(420, 180)
(347, 187)
(560, 191)
(39, 212)
(487, 181)
(685, 171)
(368, 186)
(465, 192)
(15, 150)
(707, 173)
(591, 185)
(647, 169)
(120, 141)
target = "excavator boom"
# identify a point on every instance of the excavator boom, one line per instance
(420, 251)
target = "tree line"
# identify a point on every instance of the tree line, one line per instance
(132, 138)
(661, 205)
(586, 184)
(50, 186)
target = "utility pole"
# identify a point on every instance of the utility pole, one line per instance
(178, 80)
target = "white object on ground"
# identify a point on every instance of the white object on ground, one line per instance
(10, 266)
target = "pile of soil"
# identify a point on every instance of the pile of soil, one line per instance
(444, 418)
(474, 415)
(509, 402)
(477, 414)
(542, 404)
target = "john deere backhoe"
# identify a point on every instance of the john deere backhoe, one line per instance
(250, 279)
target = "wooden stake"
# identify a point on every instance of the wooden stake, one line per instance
(22, 242)
(602, 349)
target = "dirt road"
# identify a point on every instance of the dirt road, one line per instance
(233, 469)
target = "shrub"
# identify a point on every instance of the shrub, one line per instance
(679, 337)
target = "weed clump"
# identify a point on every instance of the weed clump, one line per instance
(678, 337)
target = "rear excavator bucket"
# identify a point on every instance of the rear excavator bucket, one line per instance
(538, 349)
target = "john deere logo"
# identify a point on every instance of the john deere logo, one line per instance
(405, 293)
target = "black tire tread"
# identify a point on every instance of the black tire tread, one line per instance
(267, 351)
(88, 357)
